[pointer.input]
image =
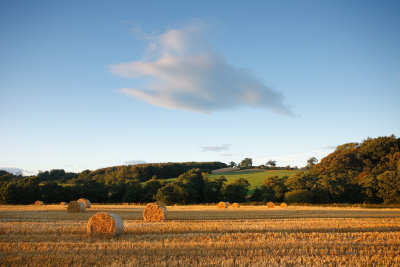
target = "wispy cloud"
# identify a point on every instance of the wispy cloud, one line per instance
(17, 171)
(134, 162)
(216, 148)
(183, 72)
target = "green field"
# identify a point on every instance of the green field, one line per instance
(255, 177)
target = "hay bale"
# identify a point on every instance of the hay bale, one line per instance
(103, 223)
(162, 205)
(235, 205)
(86, 202)
(38, 203)
(283, 205)
(63, 203)
(270, 205)
(222, 205)
(228, 203)
(154, 213)
(76, 207)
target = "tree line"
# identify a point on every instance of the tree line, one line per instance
(367, 172)
(191, 187)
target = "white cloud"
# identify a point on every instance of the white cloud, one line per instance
(17, 171)
(135, 162)
(298, 159)
(184, 73)
(216, 148)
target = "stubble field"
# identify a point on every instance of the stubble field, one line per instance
(203, 236)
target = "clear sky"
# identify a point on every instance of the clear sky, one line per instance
(91, 84)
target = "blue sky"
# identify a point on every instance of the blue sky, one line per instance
(91, 84)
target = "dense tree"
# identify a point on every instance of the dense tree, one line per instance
(90, 189)
(353, 173)
(311, 162)
(172, 193)
(389, 187)
(213, 189)
(133, 191)
(236, 191)
(273, 189)
(150, 189)
(299, 196)
(51, 192)
(246, 163)
(271, 163)
(193, 183)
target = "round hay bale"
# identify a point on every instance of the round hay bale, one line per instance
(270, 205)
(235, 205)
(162, 205)
(38, 203)
(76, 207)
(222, 205)
(283, 205)
(154, 213)
(103, 223)
(86, 202)
(229, 204)
(63, 203)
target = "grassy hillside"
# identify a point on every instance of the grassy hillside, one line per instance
(255, 176)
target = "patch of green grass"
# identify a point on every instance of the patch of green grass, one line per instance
(66, 185)
(255, 178)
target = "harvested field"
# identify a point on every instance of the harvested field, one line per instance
(203, 236)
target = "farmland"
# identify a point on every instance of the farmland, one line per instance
(203, 236)
(254, 176)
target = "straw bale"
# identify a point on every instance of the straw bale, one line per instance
(86, 202)
(235, 205)
(154, 213)
(76, 207)
(63, 203)
(38, 203)
(283, 205)
(270, 205)
(103, 223)
(222, 205)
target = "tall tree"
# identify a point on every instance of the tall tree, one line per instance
(271, 163)
(236, 191)
(246, 163)
(311, 162)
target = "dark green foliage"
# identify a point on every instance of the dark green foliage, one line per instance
(246, 163)
(273, 190)
(56, 175)
(213, 189)
(172, 193)
(145, 172)
(353, 173)
(389, 187)
(21, 191)
(236, 191)
(51, 192)
(193, 183)
(299, 196)
(151, 188)
(133, 191)
(92, 190)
